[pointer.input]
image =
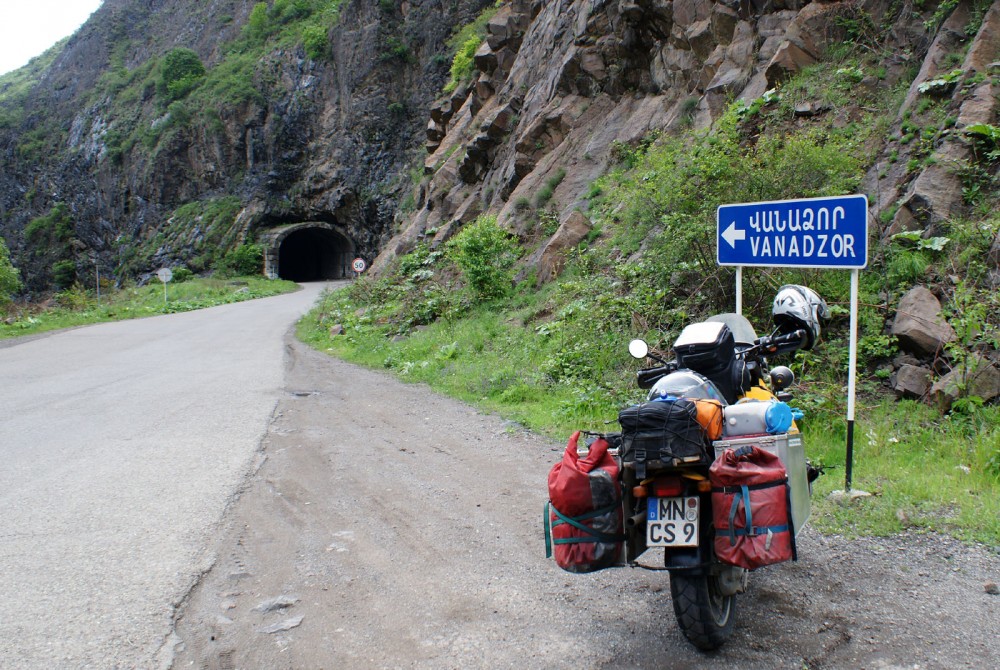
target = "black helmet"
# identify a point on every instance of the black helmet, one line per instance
(800, 307)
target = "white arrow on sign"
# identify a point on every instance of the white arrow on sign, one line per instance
(732, 234)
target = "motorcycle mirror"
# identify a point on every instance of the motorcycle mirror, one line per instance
(781, 378)
(638, 349)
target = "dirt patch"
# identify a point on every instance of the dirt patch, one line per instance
(391, 527)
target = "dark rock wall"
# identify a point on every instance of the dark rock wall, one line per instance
(329, 143)
(559, 82)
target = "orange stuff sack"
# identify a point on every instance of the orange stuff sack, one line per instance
(709, 417)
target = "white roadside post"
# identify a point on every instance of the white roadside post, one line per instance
(165, 276)
(819, 233)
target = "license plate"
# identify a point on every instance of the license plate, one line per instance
(672, 522)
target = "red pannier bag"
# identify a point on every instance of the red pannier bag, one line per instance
(583, 518)
(751, 508)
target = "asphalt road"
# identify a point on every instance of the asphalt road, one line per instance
(121, 445)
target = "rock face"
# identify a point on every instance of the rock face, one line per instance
(574, 78)
(292, 139)
(571, 232)
(335, 139)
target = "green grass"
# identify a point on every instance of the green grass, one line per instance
(77, 307)
(554, 358)
(925, 471)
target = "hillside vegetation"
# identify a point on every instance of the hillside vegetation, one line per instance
(554, 356)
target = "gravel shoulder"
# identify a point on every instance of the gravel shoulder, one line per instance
(387, 527)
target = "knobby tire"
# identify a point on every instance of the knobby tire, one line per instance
(704, 614)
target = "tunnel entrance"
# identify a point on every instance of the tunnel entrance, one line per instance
(306, 252)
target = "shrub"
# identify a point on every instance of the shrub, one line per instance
(258, 26)
(180, 73)
(10, 281)
(246, 259)
(314, 41)
(56, 226)
(463, 64)
(464, 45)
(396, 49)
(64, 273)
(181, 275)
(486, 254)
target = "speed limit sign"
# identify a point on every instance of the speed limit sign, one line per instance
(358, 265)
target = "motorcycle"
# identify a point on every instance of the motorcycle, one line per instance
(711, 468)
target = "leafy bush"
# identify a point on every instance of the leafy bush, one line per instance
(486, 254)
(258, 26)
(244, 260)
(315, 42)
(64, 273)
(181, 275)
(181, 72)
(463, 64)
(464, 44)
(10, 281)
(545, 193)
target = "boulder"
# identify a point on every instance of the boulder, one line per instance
(501, 29)
(976, 377)
(729, 80)
(484, 88)
(571, 232)
(919, 325)
(593, 64)
(936, 194)
(435, 133)
(788, 60)
(911, 381)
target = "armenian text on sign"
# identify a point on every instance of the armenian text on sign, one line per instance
(813, 232)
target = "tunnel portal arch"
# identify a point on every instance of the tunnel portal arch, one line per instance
(308, 251)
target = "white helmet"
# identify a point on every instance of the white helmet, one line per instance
(800, 307)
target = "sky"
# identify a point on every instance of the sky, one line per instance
(29, 27)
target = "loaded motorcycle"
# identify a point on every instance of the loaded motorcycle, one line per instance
(711, 468)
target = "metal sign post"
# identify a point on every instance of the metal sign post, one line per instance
(820, 233)
(165, 276)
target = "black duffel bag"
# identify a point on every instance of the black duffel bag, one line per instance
(661, 431)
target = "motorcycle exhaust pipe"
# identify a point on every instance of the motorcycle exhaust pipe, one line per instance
(636, 520)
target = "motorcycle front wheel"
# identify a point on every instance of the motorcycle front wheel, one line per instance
(705, 615)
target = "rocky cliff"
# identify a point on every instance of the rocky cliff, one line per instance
(272, 136)
(560, 83)
(332, 137)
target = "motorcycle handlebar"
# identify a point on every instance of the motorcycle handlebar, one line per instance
(780, 344)
(647, 377)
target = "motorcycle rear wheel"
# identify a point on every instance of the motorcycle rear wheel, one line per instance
(704, 614)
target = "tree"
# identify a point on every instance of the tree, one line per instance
(180, 73)
(10, 280)
(486, 254)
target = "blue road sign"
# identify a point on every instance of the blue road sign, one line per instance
(808, 233)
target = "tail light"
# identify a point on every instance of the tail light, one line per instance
(666, 487)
